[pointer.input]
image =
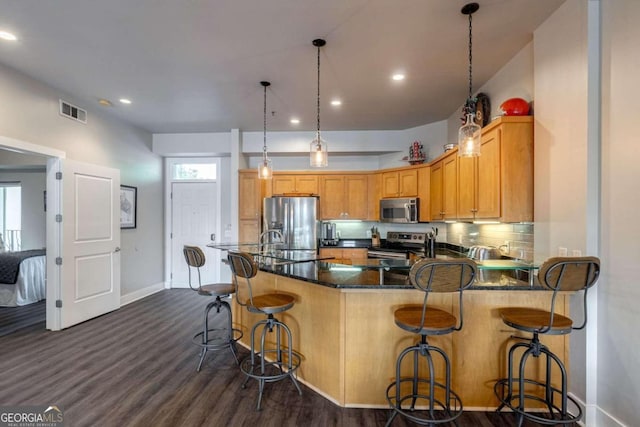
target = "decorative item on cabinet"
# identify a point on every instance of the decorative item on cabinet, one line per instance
(515, 107)
(416, 154)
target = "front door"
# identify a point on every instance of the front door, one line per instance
(89, 261)
(193, 206)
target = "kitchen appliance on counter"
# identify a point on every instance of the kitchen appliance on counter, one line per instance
(403, 211)
(295, 219)
(400, 245)
(329, 235)
(478, 253)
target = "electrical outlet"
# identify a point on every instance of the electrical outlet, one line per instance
(562, 251)
(576, 252)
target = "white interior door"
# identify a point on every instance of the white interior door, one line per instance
(194, 222)
(90, 242)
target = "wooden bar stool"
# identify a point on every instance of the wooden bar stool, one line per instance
(443, 404)
(275, 363)
(557, 274)
(212, 338)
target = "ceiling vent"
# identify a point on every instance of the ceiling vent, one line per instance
(72, 112)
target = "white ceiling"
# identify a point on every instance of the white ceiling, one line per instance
(195, 65)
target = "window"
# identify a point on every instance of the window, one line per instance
(10, 216)
(194, 171)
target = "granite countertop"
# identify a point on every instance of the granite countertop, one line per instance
(308, 266)
(379, 274)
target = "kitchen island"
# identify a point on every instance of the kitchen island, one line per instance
(343, 328)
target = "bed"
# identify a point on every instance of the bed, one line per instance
(22, 277)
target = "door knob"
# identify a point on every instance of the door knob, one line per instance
(117, 249)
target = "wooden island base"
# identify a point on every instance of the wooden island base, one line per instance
(349, 342)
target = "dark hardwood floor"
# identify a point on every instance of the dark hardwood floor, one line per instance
(15, 318)
(136, 367)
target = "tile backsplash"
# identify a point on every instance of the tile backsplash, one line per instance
(519, 236)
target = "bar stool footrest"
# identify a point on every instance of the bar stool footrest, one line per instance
(554, 414)
(217, 341)
(441, 413)
(274, 370)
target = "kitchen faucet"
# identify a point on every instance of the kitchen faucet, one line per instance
(279, 238)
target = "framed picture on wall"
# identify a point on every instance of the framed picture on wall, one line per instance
(128, 206)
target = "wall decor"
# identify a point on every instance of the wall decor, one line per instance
(128, 206)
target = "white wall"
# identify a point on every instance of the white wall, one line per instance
(560, 73)
(513, 80)
(618, 290)
(29, 112)
(33, 184)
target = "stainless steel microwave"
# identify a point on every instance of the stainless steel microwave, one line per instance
(399, 210)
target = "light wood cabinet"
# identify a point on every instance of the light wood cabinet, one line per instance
(343, 196)
(375, 194)
(443, 186)
(498, 185)
(250, 196)
(344, 256)
(402, 183)
(290, 184)
(424, 193)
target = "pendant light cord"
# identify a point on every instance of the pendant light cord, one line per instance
(470, 56)
(318, 100)
(264, 145)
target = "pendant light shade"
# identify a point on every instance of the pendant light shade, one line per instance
(318, 155)
(265, 171)
(469, 138)
(469, 132)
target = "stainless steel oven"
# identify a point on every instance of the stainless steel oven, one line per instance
(388, 253)
(399, 245)
(399, 210)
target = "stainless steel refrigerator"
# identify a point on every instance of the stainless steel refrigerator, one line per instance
(295, 219)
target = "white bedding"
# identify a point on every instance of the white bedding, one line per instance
(30, 286)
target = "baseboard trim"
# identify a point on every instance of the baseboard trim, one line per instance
(141, 293)
(596, 416)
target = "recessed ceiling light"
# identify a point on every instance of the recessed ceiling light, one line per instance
(125, 101)
(295, 121)
(105, 102)
(7, 36)
(398, 76)
(336, 102)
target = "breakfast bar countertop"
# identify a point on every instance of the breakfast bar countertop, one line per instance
(372, 273)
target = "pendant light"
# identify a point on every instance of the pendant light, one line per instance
(318, 156)
(469, 133)
(264, 170)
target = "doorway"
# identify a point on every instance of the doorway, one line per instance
(194, 219)
(28, 163)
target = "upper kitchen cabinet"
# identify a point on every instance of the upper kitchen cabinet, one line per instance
(401, 183)
(344, 196)
(375, 194)
(291, 184)
(424, 193)
(498, 185)
(443, 187)
(250, 197)
(250, 205)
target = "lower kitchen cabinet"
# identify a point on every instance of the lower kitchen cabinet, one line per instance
(344, 256)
